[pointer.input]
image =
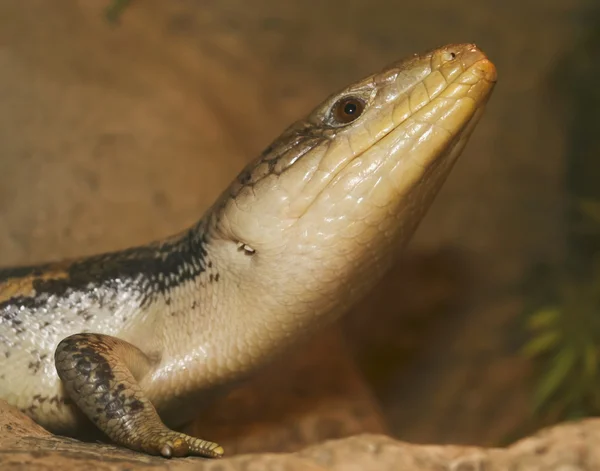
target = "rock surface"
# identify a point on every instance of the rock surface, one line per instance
(569, 447)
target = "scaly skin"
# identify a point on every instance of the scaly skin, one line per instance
(133, 338)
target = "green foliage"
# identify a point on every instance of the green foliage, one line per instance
(564, 339)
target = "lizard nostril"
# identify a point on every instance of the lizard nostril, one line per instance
(449, 56)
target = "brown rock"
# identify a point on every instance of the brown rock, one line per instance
(569, 447)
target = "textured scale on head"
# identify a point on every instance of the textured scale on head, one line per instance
(324, 207)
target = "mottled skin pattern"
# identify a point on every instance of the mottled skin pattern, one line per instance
(101, 373)
(115, 294)
(134, 338)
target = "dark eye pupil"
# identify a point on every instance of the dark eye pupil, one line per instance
(350, 108)
(347, 109)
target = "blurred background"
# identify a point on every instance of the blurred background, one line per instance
(120, 122)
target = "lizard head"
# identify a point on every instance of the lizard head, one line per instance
(317, 218)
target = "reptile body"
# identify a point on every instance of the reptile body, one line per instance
(132, 339)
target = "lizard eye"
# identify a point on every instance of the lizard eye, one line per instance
(347, 109)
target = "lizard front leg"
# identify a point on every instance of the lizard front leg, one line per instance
(100, 375)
